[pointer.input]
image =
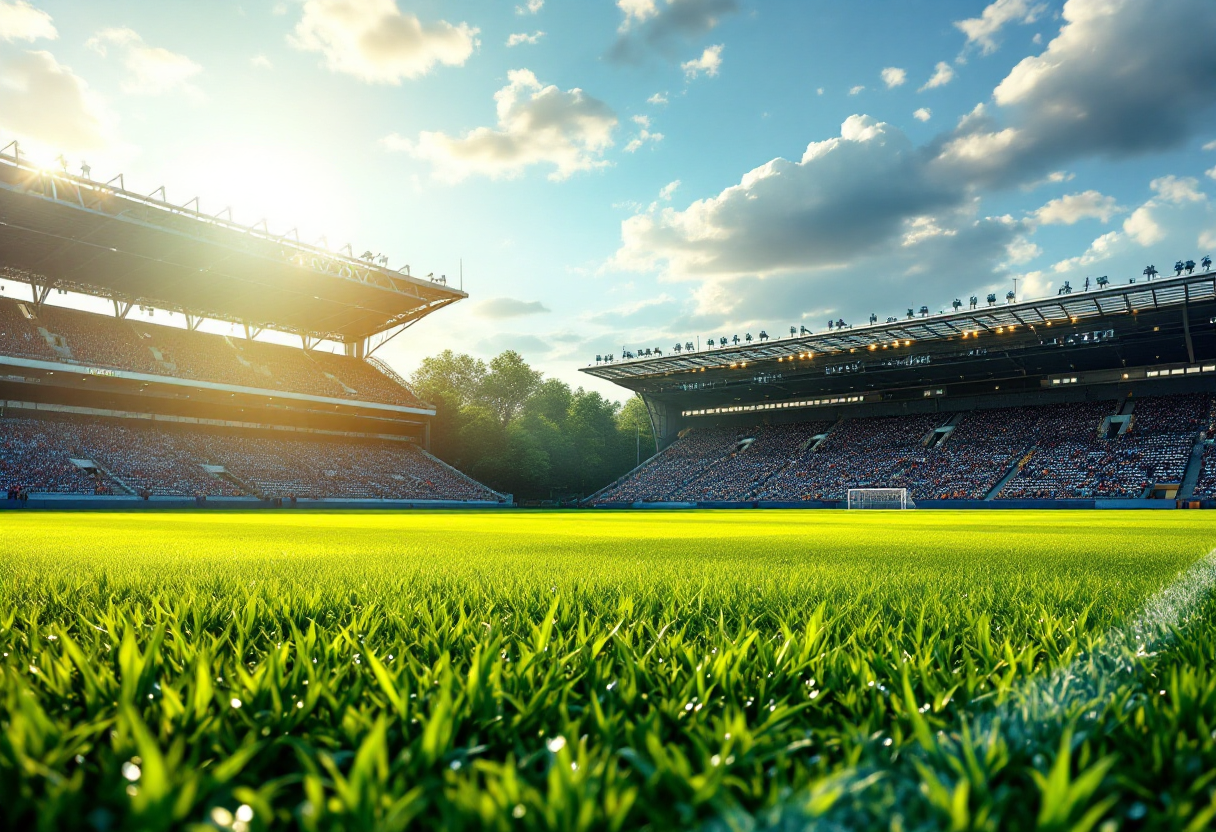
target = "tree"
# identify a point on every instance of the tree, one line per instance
(510, 383)
(634, 422)
(518, 432)
(455, 377)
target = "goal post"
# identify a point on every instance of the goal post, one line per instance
(888, 498)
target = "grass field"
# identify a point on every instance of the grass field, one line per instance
(708, 670)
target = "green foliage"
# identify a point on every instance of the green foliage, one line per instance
(525, 435)
(617, 671)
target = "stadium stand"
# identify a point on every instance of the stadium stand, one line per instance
(858, 453)
(1060, 451)
(68, 335)
(1075, 457)
(18, 336)
(1206, 485)
(132, 457)
(750, 462)
(970, 459)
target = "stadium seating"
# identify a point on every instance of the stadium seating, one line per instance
(134, 456)
(1049, 451)
(103, 341)
(1206, 485)
(1074, 459)
(859, 453)
(745, 469)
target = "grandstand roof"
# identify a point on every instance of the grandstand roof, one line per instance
(1099, 305)
(68, 232)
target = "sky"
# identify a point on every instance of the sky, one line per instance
(602, 175)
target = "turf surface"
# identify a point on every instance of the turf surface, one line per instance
(711, 670)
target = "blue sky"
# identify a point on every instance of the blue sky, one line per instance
(641, 172)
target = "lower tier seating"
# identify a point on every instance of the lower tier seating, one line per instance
(114, 456)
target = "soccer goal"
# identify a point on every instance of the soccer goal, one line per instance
(880, 498)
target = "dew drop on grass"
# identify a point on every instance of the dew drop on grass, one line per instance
(236, 703)
(519, 811)
(556, 744)
(244, 813)
(221, 817)
(130, 771)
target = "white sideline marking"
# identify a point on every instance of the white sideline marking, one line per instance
(1151, 630)
(1039, 703)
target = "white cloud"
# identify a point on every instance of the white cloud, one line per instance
(500, 308)
(151, 70)
(847, 195)
(1072, 208)
(1098, 250)
(709, 63)
(666, 192)
(523, 37)
(376, 42)
(21, 21)
(537, 124)
(637, 142)
(982, 31)
(819, 91)
(1211, 173)
(923, 114)
(1210, 146)
(1095, 90)
(532, 7)
(1142, 227)
(869, 199)
(1022, 250)
(644, 135)
(1178, 190)
(1207, 239)
(663, 25)
(657, 99)
(637, 11)
(893, 76)
(942, 74)
(260, 62)
(857, 89)
(44, 101)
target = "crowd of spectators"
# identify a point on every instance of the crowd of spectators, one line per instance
(19, 337)
(1206, 485)
(971, 459)
(138, 346)
(1076, 457)
(159, 460)
(677, 465)
(99, 339)
(859, 453)
(740, 474)
(1052, 451)
(36, 457)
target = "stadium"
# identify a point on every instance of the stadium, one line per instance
(99, 409)
(297, 538)
(1091, 399)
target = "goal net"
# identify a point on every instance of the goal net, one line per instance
(880, 498)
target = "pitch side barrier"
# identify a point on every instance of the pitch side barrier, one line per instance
(82, 502)
(1124, 504)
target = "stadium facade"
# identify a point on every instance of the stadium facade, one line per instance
(95, 405)
(1090, 396)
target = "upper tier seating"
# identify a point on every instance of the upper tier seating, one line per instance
(138, 346)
